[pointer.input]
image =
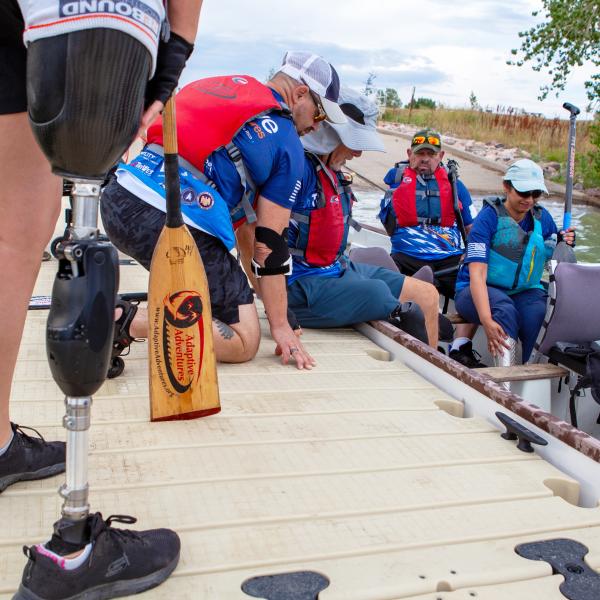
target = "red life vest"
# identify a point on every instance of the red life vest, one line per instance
(418, 201)
(323, 230)
(211, 111)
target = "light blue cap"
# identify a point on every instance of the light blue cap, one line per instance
(526, 176)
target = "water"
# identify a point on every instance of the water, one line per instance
(585, 218)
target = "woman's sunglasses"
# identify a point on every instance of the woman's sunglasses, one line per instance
(535, 194)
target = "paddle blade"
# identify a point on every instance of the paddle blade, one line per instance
(564, 253)
(183, 370)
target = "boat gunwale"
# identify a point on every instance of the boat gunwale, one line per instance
(559, 429)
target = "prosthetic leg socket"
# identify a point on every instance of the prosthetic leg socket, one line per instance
(85, 94)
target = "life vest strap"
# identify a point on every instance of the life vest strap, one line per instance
(184, 164)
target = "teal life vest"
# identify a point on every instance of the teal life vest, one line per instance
(517, 258)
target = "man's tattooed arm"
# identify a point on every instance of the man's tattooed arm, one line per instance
(226, 332)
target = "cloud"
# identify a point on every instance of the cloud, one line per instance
(445, 50)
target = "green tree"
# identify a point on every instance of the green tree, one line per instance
(568, 37)
(474, 102)
(392, 100)
(424, 103)
(369, 88)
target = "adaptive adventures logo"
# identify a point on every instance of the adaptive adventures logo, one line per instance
(183, 338)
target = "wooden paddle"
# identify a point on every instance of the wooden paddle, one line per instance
(183, 370)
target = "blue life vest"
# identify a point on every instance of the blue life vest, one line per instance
(517, 258)
(323, 229)
(201, 204)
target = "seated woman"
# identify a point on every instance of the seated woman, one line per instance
(500, 283)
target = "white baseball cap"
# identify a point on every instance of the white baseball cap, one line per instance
(525, 176)
(319, 76)
(358, 133)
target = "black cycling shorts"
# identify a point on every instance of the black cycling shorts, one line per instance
(13, 59)
(133, 226)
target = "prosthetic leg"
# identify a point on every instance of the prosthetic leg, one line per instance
(86, 95)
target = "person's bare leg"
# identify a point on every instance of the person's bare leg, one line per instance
(465, 330)
(428, 298)
(29, 208)
(234, 343)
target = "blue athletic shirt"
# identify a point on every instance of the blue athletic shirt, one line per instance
(483, 230)
(308, 198)
(431, 242)
(273, 156)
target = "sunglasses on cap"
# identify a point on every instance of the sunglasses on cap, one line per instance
(535, 194)
(430, 139)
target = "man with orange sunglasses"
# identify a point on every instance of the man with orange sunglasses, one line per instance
(420, 216)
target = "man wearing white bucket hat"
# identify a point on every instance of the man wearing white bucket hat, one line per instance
(325, 288)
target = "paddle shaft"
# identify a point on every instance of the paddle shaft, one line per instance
(574, 111)
(453, 172)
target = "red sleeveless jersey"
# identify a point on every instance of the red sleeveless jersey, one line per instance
(211, 111)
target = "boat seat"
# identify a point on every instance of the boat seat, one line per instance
(378, 257)
(572, 321)
(524, 372)
(572, 315)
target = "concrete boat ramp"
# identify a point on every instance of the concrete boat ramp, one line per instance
(359, 471)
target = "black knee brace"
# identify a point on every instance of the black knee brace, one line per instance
(85, 94)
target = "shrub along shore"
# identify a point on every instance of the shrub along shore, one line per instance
(506, 135)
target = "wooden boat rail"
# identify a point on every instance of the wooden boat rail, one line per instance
(482, 382)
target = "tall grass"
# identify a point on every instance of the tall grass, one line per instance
(545, 139)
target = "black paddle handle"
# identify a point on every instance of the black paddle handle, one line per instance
(173, 193)
(574, 111)
(453, 176)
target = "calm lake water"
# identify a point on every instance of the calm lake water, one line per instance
(585, 218)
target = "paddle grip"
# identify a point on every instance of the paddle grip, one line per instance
(571, 108)
(173, 192)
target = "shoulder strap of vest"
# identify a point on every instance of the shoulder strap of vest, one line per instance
(537, 211)
(248, 184)
(345, 180)
(496, 202)
(400, 168)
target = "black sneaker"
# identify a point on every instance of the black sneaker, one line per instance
(465, 355)
(121, 562)
(30, 458)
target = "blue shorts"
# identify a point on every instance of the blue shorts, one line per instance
(361, 293)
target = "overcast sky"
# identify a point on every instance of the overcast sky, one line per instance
(446, 49)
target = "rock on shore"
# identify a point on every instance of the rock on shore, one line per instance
(492, 151)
